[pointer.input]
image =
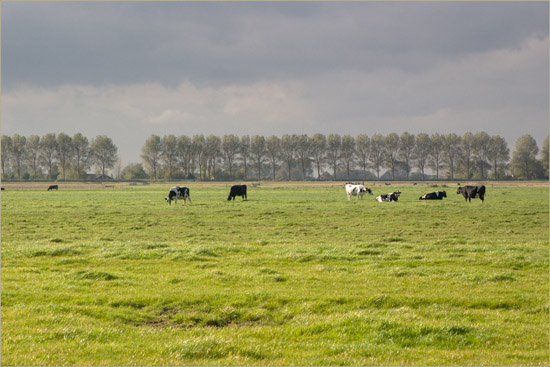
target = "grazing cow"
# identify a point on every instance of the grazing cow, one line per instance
(3, 189)
(389, 197)
(237, 190)
(357, 190)
(438, 195)
(176, 193)
(53, 187)
(471, 192)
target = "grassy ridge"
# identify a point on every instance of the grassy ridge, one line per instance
(295, 275)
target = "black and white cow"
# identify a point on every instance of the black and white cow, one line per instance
(53, 187)
(176, 193)
(357, 190)
(237, 190)
(471, 192)
(393, 196)
(438, 195)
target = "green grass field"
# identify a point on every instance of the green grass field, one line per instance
(296, 275)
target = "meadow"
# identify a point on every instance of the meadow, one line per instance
(295, 275)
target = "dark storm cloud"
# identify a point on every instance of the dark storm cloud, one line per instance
(273, 68)
(55, 43)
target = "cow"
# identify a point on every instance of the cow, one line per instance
(471, 192)
(176, 193)
(53, 187)
(357, 190)
(438, 195)
(393, 196)
(237, 190)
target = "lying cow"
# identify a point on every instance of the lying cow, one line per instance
(357, 190)
(389, 197)
(471, 192)
(176, 193)
(237, 190)
(53, 187)
(438, 195)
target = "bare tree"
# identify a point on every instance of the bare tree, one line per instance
(437, 142)
(498, 153)
(230, 148)
(6, 148)
(273, 146)
(257, 149)
(151, 153)
(244, 150)
(48, 147)
(185, 151)
(33, 154)
(64, 151)
(480, 151)
(169, 152)
(288, 150)
(18, 152)
(466, 153)
(377, 152)
(451, 151)
(303, 153)
(421, 151)
(348, 152)
(318, 150)
(392, 145)
(197, 148)
(406, 146)
(213, 152)
(362, 148)
(334, 150)
(81, 153)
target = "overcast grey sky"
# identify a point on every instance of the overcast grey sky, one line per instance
(132, 69)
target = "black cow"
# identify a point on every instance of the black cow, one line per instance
(237, 190)
(176, 193)
(53, 187)
(438, 195)
(471, 192)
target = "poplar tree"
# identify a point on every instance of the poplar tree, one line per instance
(105, 152)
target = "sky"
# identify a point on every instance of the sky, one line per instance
(131, 69)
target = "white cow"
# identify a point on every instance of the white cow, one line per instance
(392, 196)
(357, 190)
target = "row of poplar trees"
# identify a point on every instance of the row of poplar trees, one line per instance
(449, 156)
(302, 157)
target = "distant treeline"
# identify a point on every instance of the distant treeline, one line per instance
(407, 156)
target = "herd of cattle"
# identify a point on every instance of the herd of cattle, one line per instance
(357, 190)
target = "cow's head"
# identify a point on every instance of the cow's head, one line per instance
(368, 191)
(443, 194)
(459, 191)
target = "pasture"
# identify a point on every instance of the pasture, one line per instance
(296, 275)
